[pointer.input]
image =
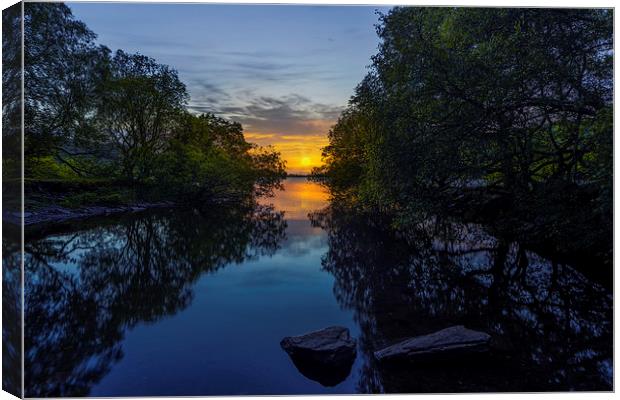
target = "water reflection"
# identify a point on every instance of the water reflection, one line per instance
(11, 310)
(552, 327)
(86, 287)
(299, 198)
(133, 305)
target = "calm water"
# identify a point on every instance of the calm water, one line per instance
(194, 302)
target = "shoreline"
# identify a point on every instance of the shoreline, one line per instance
(57, 214)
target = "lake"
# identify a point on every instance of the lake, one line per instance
(196, 302)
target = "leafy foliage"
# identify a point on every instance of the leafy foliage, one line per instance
(62, 70)
(513, 103)
(138, 112)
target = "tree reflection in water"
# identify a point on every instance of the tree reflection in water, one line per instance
(11, 310)
(552, 328)
(88, 285)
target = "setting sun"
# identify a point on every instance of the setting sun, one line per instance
(305, 161)
(301, 152)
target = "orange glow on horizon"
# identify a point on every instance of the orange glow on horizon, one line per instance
(301, 152)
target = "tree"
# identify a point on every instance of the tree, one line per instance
(62, 70)
(11, 89)
(141, 103)
(465, 106)
(208, 157)
(460, 95)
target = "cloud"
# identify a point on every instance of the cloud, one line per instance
(257, 137)
(210, 88)
(294, 124)
(288, 115)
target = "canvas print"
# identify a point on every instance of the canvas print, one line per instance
(233, 199)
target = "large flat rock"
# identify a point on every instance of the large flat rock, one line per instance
(325, 356)
(449, 341)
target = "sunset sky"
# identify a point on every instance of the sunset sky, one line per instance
(284, 72)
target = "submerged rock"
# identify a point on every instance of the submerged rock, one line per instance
(446, 342)
(325, 356)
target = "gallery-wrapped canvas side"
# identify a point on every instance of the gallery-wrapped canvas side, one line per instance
(12, 198)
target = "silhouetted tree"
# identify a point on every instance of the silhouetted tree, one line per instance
(509, 102)
(62, 70)
(139, 108)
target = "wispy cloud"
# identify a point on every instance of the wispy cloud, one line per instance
(292, 114)
(288, 115)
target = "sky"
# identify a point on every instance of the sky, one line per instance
(284, 71)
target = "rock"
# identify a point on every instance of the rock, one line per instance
(446, 342)
(325, 356)
(328, 345)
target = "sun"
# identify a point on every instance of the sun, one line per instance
(306, 161)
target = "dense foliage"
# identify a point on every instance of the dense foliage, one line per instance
(464, 107)
(94, 115)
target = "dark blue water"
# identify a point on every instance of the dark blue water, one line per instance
(195, 302)
(227, 340)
